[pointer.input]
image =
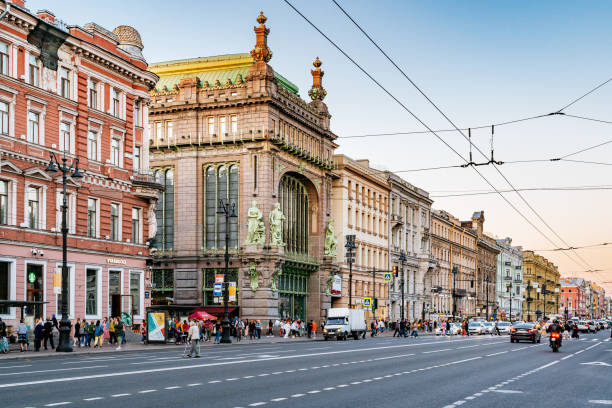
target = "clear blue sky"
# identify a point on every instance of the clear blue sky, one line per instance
(481, 61)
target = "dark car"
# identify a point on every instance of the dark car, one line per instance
(525, 331)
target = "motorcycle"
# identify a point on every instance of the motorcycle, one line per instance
(555, 342)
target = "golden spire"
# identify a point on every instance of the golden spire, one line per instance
(261, 52)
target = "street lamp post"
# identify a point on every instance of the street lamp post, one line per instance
(487, 289)
(402, 259)
(64, 325)
(544, 291)
(455, 271)
(350, 247)
(229, 210)
(510, 302)
(528, 301)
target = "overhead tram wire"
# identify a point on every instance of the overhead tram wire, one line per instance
(422, 123)
(570, 248)
(469, 140)
(583, 96)
(477, 193)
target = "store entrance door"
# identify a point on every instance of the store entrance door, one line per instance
(115, 305)
(34, 285)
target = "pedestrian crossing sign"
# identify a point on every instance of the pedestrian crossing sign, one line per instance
(367, 302)
(388, 277)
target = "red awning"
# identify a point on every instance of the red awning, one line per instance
(213, 310)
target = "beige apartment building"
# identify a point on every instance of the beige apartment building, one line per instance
(542, 282)
(360, 207)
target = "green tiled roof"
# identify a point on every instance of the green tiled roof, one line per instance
(212, 69)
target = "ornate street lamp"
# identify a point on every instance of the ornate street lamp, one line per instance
(350, 247)
(402, 259)
(73, 170)
(455, 271)
(229, 209)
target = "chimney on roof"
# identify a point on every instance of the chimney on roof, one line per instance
(261, 52)
(46, 16)
(20, 3)
(317, 92)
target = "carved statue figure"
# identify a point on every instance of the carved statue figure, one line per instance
(276, 226)
(256, 231)
(152, 219)
(330, 240)
(277, 273)
(253, 276)
(330, 281)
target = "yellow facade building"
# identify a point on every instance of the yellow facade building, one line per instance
(541, 278)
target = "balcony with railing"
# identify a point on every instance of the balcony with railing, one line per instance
(146, 185)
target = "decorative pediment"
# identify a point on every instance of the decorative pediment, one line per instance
(70, 182)
(7, 166)
(37, 172)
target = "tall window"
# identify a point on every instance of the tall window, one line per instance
(33, 212)
(5, 285)
(137, 158)
(164, 210)
(211, 126)
(92, 217)
(4, 117)
(33, 127)
(162, 286)
(234, 124)
(136, 225)
(93, 94)
(135, 292)
(4, 202)
(221, 184)
(222, 128)
(4, 58)
(91, 292)
(114, 221)
(64, 83)
(115, 151)
(294, 204)
(92, 145)
(137, 121)
(159, 131)
(65, 136)
(116, 104)
(34, 71)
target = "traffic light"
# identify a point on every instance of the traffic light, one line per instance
(472, 283)
(375, 303)
(394, 270)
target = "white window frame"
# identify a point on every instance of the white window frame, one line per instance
(140, 225)
(29, 69)
(98, 270)
(169, 129)
(121, 287)
(118, 134)
(119, 220)
(97, 200)
(42, 205)
(159, 131)
(141, 285)
(234, 125)
(43, 263)
(12, 311)
(222, 123)
(71, 198)
(70, 80)
(11, 216)
(210, 124)
(99, 91)
(137, 164)
(9, 53)
(117, 114)
(71, 273)
(98, 129)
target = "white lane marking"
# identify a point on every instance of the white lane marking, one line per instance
(356, 382)
(602, 402)
(341, 385)
(471, 397)
(194, 384)
(464, 347)
(278, 399)
(146, 391)
(214, 381)
(314, 391)
(263, 375)
(51, 371)
(93, 399)
(274, 373)
(246, 377)
(497, 354)
(314, 368)
(509, 391)
(297, 395)
(377, 378)
(174, 387)
(329, 388)
(125, 394)
(236, 378)
(289, 371)
(256, 404)
(460, 402)
(302, 369)
(55, 404)
(435, 351)
(17, 366)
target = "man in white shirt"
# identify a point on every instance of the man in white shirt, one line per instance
(194, 338)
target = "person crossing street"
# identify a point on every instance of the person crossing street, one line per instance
(194, 337)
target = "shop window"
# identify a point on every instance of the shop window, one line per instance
(294, 204)
(135, 289)
(91, 292)
(34, 289)
(5, 285)
(221, 183)
(162, 286)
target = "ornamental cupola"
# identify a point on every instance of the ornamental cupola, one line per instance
(317, 92)
(261, 52)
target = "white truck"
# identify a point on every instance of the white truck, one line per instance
(343, 322)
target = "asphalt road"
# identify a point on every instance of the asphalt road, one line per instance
(479, 371)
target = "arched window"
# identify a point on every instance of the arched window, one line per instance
(294, 204)
(164, 210)
(220, 183)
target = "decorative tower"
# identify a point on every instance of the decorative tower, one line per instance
(261, 75)
(317, 92)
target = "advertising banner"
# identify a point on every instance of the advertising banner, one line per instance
(232, 291)
(57, 281)
(336, 288)
(156, 327)
(217, 289)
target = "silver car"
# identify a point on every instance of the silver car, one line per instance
(504, 327)
(489, 328)
(477, 328)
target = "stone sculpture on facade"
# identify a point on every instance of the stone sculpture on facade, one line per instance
(152, 219)
(253, 276)
(330, 240)
(256, 230)
(275, 275)
(276, 226)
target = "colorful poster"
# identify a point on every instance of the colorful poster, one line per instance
(156, 324)
(336, 287)
(232, 291)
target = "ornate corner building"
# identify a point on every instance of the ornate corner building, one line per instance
(79, 93)
(542, 287)
(230, 129)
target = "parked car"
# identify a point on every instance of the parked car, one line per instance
(477, 328)
(489, 327)
(525, 331)
(504, 327)
(583, 326)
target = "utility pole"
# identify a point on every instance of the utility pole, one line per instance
(229, 209)
(350, 247)
(510, 302)
(544, 293)
(402, 259)
(487, 289)
(528, 301)
(455, 271)
(373, 293)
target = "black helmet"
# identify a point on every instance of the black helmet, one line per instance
(555, 321)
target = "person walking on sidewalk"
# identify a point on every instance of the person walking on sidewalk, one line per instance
(38, 334)
(217, 332)
(111, 331)
(3, 340)
(118, 332)
(22, 336)
(193, 336)
(48, 333)
(98, 332)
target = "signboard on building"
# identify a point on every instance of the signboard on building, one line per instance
(219, 278)
(57, 281)
(232, 291)
(116, 261)
(336, 287)
(217, 289)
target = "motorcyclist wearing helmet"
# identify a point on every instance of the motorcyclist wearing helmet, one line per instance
(555, 327)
